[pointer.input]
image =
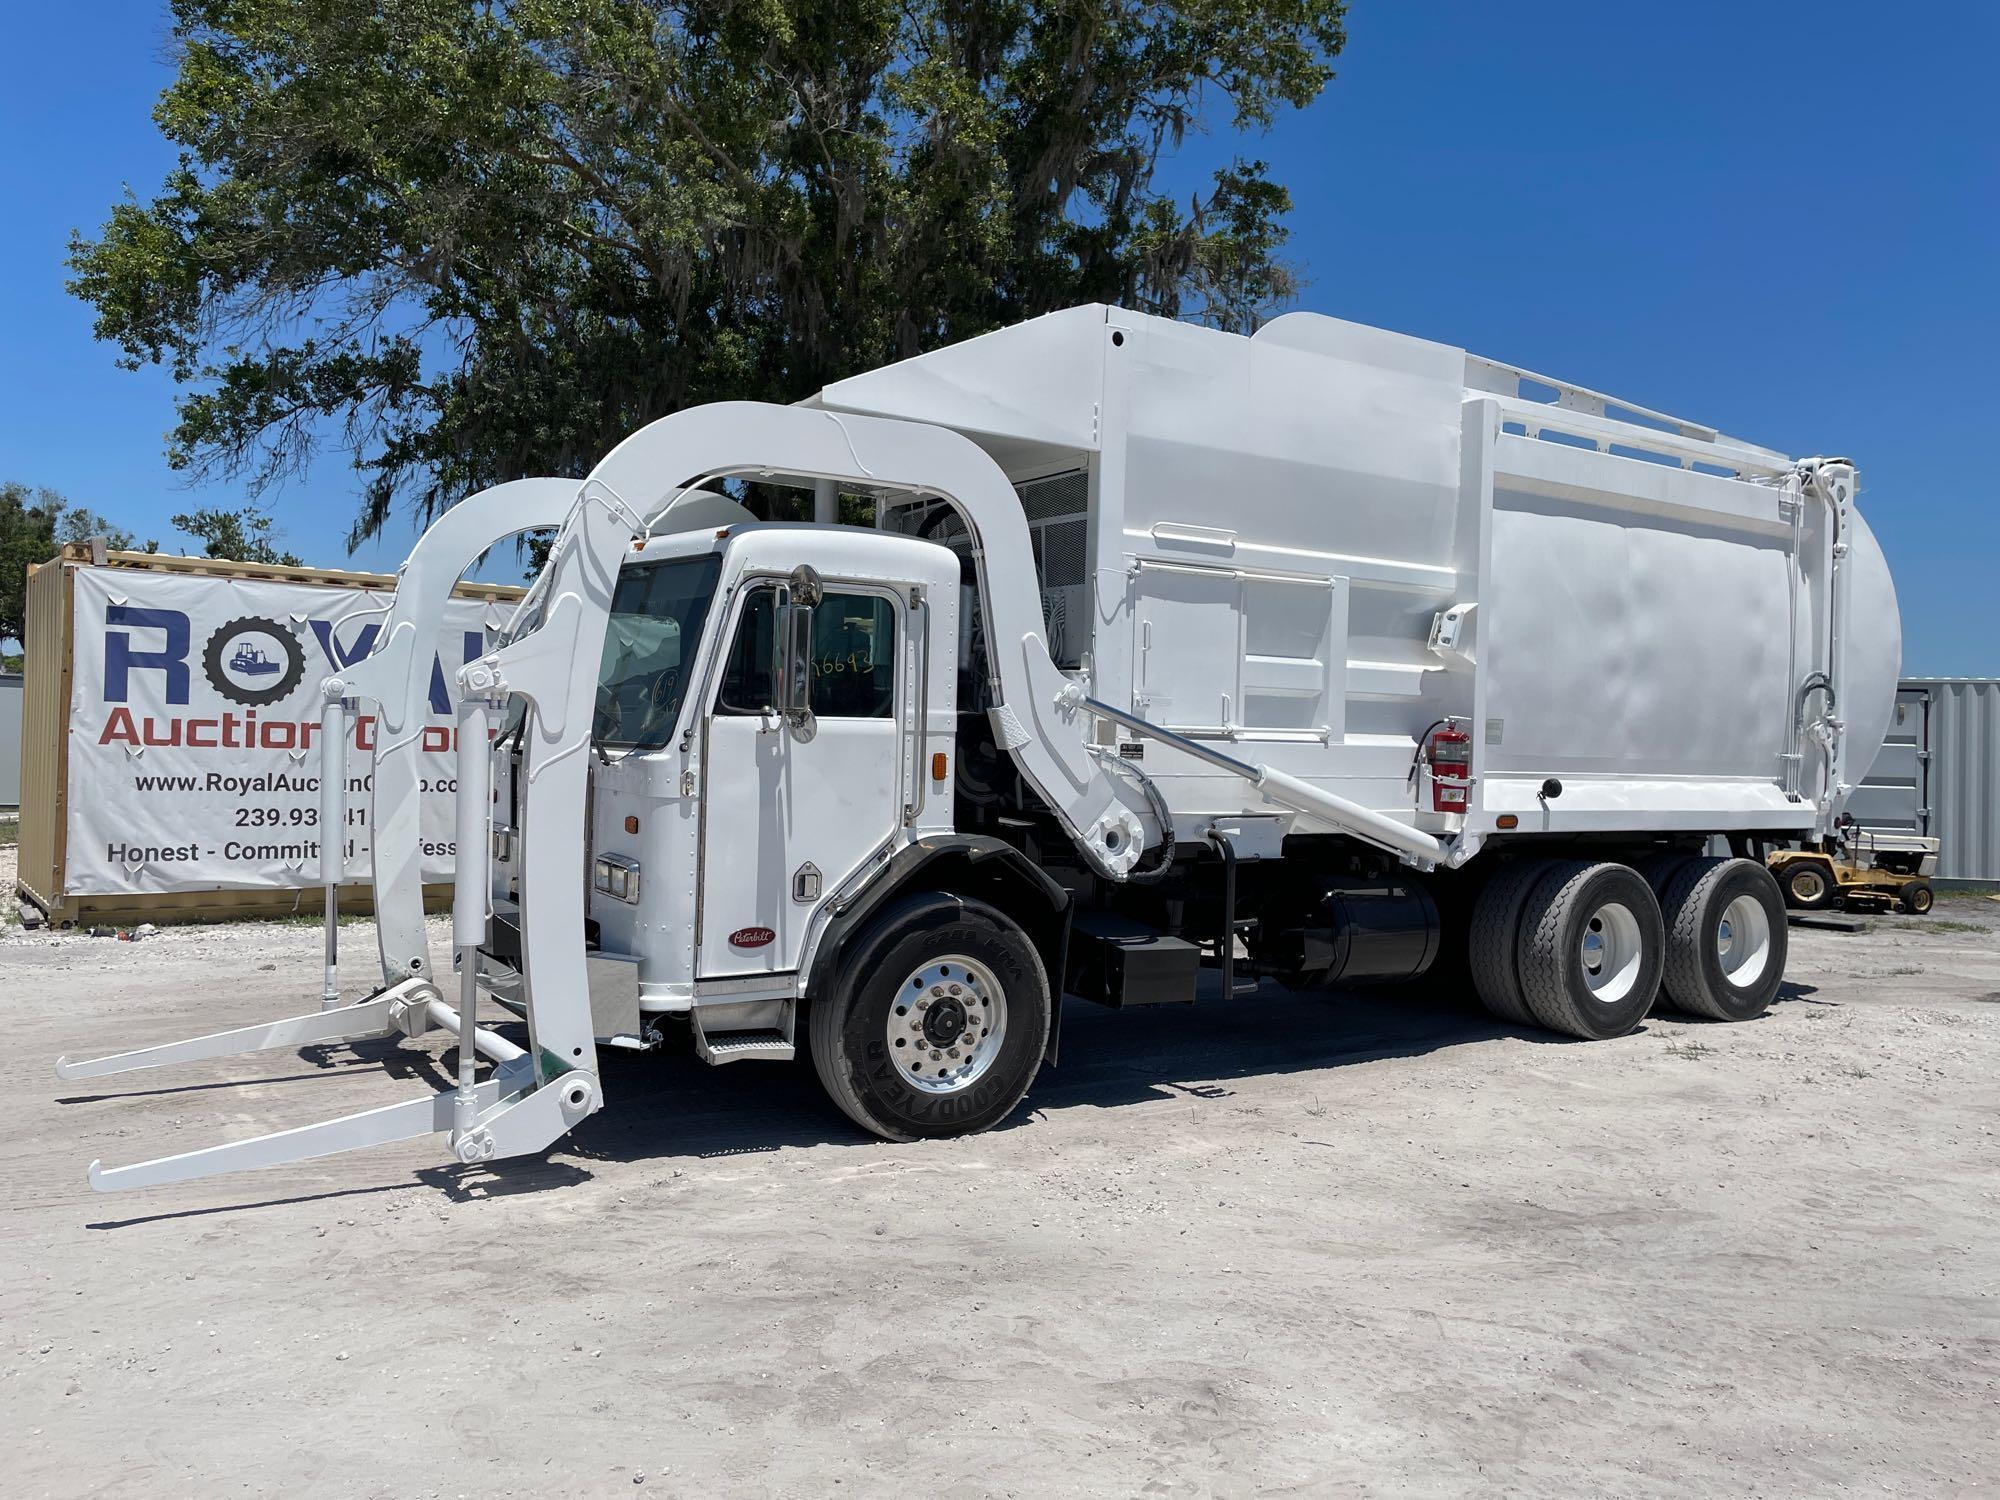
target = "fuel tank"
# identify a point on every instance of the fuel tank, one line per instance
(1349, 929)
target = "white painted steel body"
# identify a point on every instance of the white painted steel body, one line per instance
(1277, 523)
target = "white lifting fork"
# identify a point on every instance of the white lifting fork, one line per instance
(532, 1096)
(396, 676)
(523, 1107)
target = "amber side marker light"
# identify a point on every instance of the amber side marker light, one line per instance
(937, 766)
(631, 825)
(1506, 820)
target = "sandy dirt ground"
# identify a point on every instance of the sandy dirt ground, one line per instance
(1280, 1246)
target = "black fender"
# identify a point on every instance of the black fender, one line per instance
(948, 869)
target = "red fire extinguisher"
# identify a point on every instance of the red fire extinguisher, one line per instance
(1450, 755)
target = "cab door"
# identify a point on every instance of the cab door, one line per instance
(787, 818)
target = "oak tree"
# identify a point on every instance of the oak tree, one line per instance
(465, 242)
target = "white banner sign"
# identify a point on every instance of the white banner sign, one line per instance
(194, 756)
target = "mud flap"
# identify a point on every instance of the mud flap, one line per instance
(1053, 1047)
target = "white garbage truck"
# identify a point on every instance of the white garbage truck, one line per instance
(1172, 662)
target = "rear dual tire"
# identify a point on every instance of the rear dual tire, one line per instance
(1589, 953)
(1726, 939)
(1570, 945)
(1587, 948)
(1494, 936)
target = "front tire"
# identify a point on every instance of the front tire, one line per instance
(1916, 898)
(1590, 949)
(935, 1022)
(1726, 939)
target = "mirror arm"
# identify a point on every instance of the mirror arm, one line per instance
(791, 671)
(781, 614)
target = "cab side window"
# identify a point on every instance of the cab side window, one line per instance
(747, 687)
(853, 657)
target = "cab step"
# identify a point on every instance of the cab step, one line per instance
(720, 1047)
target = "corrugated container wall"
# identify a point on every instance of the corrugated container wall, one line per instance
(1962, 778)
(1939, 773)
(44, 731)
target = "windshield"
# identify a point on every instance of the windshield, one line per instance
(656, 619)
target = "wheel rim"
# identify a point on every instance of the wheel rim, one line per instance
(947, 1024)
(1808, 885)
(1610, 952)
(1743, 941)
(1920, 900)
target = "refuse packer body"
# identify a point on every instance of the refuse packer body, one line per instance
(1173, 661)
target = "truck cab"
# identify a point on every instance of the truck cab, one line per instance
(767, 733)
(798, 703)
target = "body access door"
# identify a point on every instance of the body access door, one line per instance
(792, 808)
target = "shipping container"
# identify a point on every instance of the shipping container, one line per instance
(1938, 773)
(45, 743)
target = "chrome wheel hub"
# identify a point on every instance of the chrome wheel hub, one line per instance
(1610, 951)
(1743, 941)
(946, 1025)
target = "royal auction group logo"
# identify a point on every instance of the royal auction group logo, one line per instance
(254, 661)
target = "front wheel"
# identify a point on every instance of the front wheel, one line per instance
(935, 1022)
(1916, 897)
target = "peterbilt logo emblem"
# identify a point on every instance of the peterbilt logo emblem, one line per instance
(750, 937)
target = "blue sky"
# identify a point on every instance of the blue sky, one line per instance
(1783, 220)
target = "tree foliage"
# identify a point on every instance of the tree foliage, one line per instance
(79, 523)
(470, 242)
(27, 536)
(242, 535)
(34, 523)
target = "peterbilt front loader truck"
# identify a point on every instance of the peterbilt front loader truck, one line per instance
(1174, 661)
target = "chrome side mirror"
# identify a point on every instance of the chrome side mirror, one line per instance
(794, 639)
